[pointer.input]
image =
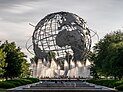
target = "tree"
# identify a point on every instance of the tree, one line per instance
(2, 62)
(14, 59)
(93, 72)
(116, 59)
(25, 71)
(108, 55)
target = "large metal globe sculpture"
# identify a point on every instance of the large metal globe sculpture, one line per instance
(64, 34)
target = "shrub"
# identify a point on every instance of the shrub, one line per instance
(116, 83)
(108, 83)
(17, 82)
(120, 87)
(26, 81)
(5, 84)
(33, 79)
(20, 81)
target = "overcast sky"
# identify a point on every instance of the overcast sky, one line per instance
(103, 16)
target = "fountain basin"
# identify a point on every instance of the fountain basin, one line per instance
(62, 86)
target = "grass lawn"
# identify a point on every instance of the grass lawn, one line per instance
(2, 90)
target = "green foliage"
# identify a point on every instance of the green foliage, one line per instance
(21, 81)
(17, 82)
(2, 62)
(27, 81)
(13, 63)
(25, 72)
(107, 56)
(12, 59)
(93, 72)
(33, 79)
(118, 84)
(2, 90)
(6, 85)
(120, 87)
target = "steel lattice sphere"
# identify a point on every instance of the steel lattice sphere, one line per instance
(63, 33)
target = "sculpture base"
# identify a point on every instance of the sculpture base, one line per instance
(65, 85)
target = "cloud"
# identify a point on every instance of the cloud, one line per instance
(19, 9)
(15, 16)
(9, 3)
(29, 10)
(3, 35)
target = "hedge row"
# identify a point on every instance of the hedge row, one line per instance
(18, 82)
(118, 84)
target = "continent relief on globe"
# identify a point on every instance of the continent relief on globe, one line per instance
(69, 38)
(74, 39)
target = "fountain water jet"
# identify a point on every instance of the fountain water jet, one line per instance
(43, 70)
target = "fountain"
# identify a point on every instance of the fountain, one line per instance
(61, 42)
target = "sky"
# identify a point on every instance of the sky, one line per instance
(102, 16)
